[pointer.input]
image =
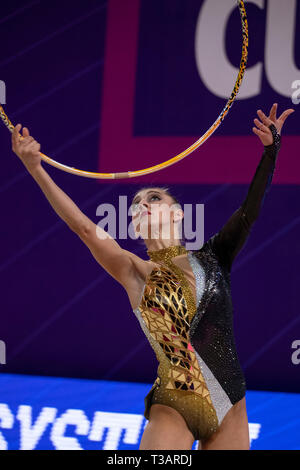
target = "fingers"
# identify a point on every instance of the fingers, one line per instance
(265, 137)
(27, 140)
(16, 137)
(261, 126)
(267, 121)
(17, 128)
(26, 144)
(31, 148)
(285, 114)
(258, 132)
(25, 132)
(36, 147)
(29, 143)
(273, 112)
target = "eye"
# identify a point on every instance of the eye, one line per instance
(155, 195)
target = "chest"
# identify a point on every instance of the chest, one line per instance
(174, 290)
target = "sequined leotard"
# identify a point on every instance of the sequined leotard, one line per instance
(199, 373)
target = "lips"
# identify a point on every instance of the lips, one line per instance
(144, 213)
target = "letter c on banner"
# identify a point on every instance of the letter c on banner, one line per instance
(211, 26)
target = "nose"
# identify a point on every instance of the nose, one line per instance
(143, 204)
(142, 207)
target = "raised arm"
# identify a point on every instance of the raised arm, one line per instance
(116, 261)
(228, 242)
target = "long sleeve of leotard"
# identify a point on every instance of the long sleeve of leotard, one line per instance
(227, 243)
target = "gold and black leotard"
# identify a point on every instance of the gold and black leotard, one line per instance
(199, 373)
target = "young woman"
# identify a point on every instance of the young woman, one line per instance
(182, 300)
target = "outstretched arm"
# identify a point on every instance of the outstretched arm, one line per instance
(228, 242)
(116, 261)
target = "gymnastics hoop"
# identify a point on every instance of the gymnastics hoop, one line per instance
(185, 153)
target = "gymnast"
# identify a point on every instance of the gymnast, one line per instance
(181, 298)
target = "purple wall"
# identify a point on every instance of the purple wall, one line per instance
(73, 76)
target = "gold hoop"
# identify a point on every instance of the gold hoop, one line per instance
(185, 153)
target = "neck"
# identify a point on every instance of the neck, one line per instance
(166, 253)
(158, 244)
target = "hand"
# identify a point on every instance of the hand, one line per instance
(26, 148)
(263, 131)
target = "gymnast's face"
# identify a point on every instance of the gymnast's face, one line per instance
(153, 213)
